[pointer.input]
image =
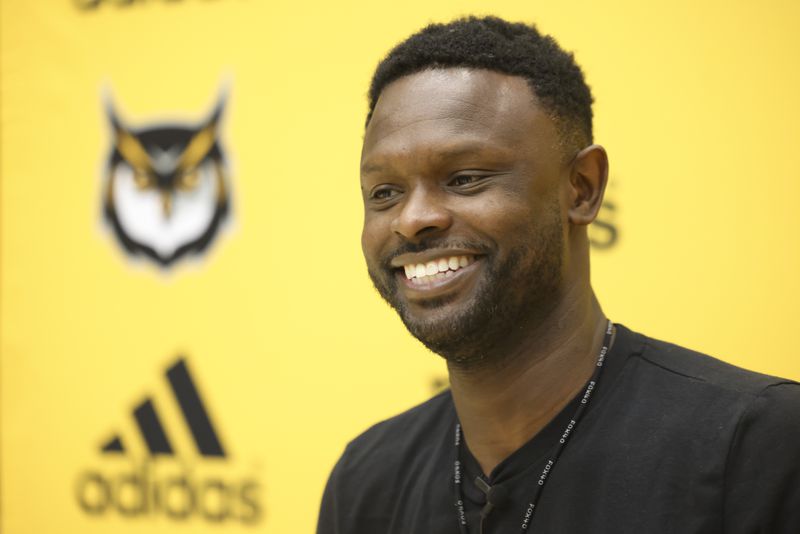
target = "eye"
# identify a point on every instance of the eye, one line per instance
(189, 180)
(462, 180)
(383, 193)
(142, 179)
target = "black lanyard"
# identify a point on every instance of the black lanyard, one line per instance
(557, 450)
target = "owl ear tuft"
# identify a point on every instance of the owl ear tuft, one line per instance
(126, 143)
(216, 114)
(112, 115)
(203, 140)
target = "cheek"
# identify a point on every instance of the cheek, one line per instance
(503, 217)
(514, 222)
(374, 236)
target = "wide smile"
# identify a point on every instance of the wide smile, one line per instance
(437, 276)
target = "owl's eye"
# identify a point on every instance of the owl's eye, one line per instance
(142, 179)
(189, 180)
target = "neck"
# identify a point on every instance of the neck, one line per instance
(501, 408)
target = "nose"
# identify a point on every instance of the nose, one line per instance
(166, 203)
(422, 215)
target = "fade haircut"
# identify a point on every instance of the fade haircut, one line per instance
(510, 48)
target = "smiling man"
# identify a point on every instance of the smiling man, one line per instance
(479, 177)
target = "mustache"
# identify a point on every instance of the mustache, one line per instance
(433, 243)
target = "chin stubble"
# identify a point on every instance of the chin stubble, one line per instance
(512, 295)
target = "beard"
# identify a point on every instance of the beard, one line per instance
(514, 294)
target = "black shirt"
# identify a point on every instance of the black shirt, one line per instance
(673, 442)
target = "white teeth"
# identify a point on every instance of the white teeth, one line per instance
(436, 269)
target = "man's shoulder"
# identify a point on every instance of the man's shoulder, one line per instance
(391, 457)
(695, 367)
(409, 434)
(413, 427)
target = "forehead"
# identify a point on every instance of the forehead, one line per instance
(453, 109)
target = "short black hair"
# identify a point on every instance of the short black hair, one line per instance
(510, 48)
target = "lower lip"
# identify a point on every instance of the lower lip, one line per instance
(436, 288)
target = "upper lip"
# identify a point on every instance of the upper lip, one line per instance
(429, 255)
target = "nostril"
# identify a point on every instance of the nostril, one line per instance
(428, 231)
(413, 234)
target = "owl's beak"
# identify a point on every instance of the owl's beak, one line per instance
(166, 203)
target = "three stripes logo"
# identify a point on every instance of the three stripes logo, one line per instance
(194, 412)
(162, 482)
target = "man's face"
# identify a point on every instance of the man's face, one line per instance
(461, 175)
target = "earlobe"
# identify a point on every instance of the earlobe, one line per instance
(587, 182)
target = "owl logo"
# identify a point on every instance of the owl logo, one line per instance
(166, 192)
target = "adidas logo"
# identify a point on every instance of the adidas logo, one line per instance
(194, 412)
(165, 483)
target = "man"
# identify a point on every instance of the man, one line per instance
(479, 180)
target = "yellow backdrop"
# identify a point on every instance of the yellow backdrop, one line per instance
(291, 350)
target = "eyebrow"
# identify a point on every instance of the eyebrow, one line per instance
(371, 168)
(449, 153)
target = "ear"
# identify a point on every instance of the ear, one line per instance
(201, 142)
(127, 144)
(587, 183)
(213, 119)
(111, 112)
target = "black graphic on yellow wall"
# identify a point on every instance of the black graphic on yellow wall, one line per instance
(194, 413)
(164, 482)
(604, 232)
(166, 192)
